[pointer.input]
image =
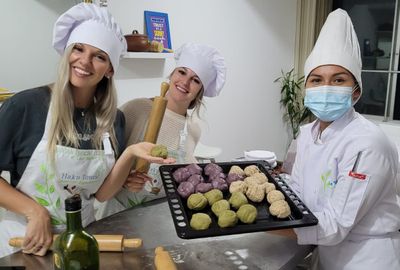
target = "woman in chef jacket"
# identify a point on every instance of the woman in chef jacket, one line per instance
(63, 139)
(345, 167)
(200, 71)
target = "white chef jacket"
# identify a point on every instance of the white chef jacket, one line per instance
(357, 205)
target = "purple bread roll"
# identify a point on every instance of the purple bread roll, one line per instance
(211, 169)
(220, 184)
(232, 177)
(181, 175)
(212, 177)
(194, 169)
(204, 187)
(185, 189)
(195, 179)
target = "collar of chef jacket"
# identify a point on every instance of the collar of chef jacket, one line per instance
(334, 128)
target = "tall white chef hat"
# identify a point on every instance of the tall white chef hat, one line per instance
(93, 25)
(337, 44)
(206, 62)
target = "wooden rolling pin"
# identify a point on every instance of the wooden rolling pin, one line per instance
(163, 260)
(106, 242)
(154, 124)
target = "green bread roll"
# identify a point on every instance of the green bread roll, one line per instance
(200, 221)
(227, 218)
(159, 151)
(220, 206)
(247, 213)
(237, 199)
(213, 196)
(197, 201)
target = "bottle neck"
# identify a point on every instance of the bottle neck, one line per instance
(74, 220)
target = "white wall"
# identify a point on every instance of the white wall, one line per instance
(256, 38)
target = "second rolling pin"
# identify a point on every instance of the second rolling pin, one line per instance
(106, 242)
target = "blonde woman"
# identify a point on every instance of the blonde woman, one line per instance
(64, 139)
(200, 71)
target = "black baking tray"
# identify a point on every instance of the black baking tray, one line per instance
(300, 216)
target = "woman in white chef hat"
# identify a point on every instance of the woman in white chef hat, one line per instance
(345, 167)
(200, 71)
(64, 139)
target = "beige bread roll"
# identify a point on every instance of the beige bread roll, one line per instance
(269, 187)
(280, 209)
(238, 186)
(250, 170)
(275, 195)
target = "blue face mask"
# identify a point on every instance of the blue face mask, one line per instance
(327, 102)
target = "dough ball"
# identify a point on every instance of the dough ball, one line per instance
(261, 177)
(197, 201)
(238, 186)
(227, 218)
(212, 168)
(195, 179)
(255, 193)
(232, 177)
(216, 176)
(237, 199)
(220, 206)
(181, 174)
(213, 196)
(220, 184)
(247, 213)
(237, 170)
(204, 187)
(185, 189)
(250, 170)
(269, 187)
(200, 221)
(159, 151)
(194, 169)
(275, 195)
(280, 209)
(250, 180)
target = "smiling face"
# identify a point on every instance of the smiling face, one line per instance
(185, 85)
(88, 66)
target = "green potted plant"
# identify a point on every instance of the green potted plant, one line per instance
(292, 101)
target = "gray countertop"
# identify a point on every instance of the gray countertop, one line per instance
(153, 223)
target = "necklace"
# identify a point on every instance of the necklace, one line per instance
(84, 132)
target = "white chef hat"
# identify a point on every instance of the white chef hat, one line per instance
(337, 44)
(206, 62)
(93, 25)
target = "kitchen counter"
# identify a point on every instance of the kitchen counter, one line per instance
(152, 222)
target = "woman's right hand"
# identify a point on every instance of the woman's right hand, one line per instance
(136, 180)
(38, 235)
(142, 150)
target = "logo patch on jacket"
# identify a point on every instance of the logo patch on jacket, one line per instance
(356, 175)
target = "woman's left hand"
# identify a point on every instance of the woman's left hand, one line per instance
(142, 150)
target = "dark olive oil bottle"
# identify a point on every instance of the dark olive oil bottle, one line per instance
(75, 248)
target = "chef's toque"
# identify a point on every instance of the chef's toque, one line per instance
(337, 44)
(206, 62)
(93, 25)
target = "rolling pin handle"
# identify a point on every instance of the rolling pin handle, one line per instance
(164, 88)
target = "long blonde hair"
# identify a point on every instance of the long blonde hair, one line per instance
(62, 128)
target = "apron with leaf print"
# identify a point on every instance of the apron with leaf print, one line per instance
(75, 171)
